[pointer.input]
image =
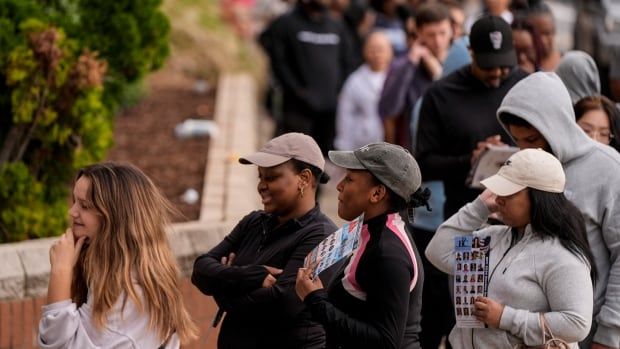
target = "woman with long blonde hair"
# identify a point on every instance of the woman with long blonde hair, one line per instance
(114, 281)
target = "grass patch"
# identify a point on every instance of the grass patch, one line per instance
(204, 46)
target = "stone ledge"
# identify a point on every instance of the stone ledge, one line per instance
(24, 271)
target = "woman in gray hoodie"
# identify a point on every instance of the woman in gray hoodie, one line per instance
(539, 261)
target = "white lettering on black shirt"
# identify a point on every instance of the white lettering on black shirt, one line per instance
(318, 38)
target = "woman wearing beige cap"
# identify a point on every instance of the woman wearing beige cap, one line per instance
(539, 261)
(251, 273)
(376, 296)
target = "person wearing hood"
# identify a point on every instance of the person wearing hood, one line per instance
(538, 113)
(527, 284)
(579, 74)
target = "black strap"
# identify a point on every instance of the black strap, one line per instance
(163, 345)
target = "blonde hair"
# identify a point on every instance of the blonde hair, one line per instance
(131, 248)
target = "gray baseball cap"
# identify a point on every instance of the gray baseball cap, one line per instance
(393, 166)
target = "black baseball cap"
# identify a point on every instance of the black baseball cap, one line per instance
(491, 43)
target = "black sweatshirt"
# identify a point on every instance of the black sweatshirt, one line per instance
(310, 57)
(259, 317)
(376, 298)
(458, 111)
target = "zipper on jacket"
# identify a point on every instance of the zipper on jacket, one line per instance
(262, 239)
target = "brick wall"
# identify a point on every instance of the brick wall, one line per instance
(19, 320)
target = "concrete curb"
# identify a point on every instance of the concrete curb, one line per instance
(228, 194)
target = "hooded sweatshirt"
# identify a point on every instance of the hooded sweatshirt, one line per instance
(592, 184)
(524, 276)
(579, 74)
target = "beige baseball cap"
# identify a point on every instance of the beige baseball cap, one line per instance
(283, 148)
(528, 168)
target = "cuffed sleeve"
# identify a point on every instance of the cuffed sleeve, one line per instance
(61, 327)
(284, 284)
(210, 276)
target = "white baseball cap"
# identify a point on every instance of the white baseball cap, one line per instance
(528, 168)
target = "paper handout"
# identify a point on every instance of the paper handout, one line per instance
(336, 246)
(471, 277)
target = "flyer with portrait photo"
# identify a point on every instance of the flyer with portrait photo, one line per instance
(336, 246)
(471, 276)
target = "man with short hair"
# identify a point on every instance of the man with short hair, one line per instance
(457, 117)
(538, 113)
(410, 76)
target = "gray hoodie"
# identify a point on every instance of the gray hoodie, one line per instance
(525, 277)
(592, 184)
(579, 74)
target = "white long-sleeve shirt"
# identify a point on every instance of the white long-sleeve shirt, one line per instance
(63, 325)
(358, 122)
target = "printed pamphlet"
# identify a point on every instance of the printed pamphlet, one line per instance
(471, 277)
(336, 246)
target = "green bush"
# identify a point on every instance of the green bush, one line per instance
(65, 67)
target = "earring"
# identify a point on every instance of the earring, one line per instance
(301, 189)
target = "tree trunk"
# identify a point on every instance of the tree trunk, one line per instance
(11, 143)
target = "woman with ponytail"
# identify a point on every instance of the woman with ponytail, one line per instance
(541, 270)
(114, 282)
(375, 299)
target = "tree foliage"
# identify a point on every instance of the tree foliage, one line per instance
(65, 66)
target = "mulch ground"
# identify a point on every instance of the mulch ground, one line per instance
(144, 136)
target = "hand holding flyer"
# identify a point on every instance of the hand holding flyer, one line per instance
(336, 246)
(471, 276)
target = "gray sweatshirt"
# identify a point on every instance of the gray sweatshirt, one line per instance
(526, 277)
(592, 184)
(63, 325)
(579, 74)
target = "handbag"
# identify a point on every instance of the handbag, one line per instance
(549, 340)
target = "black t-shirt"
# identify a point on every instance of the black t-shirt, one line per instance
(458, 112)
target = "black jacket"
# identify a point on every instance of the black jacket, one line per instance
(259, 317)
(376, 298)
